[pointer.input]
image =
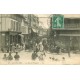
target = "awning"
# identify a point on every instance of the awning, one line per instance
(66, 29)
(69, 34)
(13, 33)
(21, 35)
(35, 30)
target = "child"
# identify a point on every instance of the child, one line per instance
(10, 56)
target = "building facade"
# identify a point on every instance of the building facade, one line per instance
(10, 30)
(30, 30)
(25, 32)
(69, 36)
(33, 27)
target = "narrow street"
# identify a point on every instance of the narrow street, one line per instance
(50, 58)
(52, 32)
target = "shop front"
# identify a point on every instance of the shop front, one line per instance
(8, 39)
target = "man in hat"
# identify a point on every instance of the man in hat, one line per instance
(16, 56)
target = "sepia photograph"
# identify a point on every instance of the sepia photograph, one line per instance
(48, 39)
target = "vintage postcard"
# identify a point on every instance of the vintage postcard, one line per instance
(39, 39)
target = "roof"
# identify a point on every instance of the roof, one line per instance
(72, 16)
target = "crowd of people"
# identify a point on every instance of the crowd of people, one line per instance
(38, 51)
(10, 57)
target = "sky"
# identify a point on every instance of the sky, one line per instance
(44, 18)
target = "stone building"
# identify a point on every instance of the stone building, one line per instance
(69, 36)
(33, 27)
(10, 30)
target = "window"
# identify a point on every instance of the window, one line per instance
(16, 26)
(13, 24)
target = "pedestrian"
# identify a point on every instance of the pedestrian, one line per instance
(4, 57)
(2, 50)
(17, 46)
(36, 47)
(41, 57)
(16, 56)
(57, 49)
(13, 48)
(25, 47)
(10, 56)
(41, 48)
(34, 55)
